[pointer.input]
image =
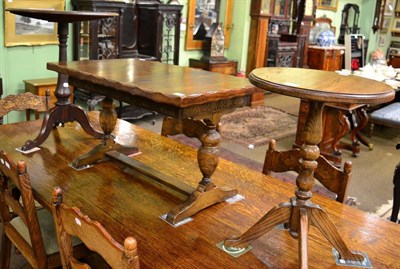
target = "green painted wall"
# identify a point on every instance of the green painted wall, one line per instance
(23, 62)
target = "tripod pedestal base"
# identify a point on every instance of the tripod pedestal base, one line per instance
(61, 114)
(298, 215)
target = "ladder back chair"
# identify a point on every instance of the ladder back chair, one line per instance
(332, 178)
(30, 230)
(70, 221)
(24, 102)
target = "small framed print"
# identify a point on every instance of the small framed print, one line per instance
(25, 31)
(385, 24)
(327, 4)
(389, 7)
(396, 25)
(382, 40)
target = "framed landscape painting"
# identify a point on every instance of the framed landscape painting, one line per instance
(25, 31)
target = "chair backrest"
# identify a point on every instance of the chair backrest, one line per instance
(332, 178)
(16, 175)
(70, 221)
(23, 102)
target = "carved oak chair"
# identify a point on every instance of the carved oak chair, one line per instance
(332, 178)
(24, 102)
(30, 230)
(70, 221)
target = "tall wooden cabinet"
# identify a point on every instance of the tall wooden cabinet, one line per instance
(159, 28)
(146, 29)
(108, 38)
(279, 32)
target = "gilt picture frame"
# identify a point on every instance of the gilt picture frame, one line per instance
(396, 25)
(389, 7)
(24, 31)
(327, 4)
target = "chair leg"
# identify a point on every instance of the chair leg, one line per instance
(371, 130)
(396, 194)
(5, 253)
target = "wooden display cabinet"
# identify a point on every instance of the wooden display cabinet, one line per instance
(158, 31)
(274, 17)
(325, 58)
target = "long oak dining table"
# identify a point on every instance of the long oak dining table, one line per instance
(127, 203)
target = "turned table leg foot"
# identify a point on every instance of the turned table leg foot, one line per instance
(206, 193)
(108, 120)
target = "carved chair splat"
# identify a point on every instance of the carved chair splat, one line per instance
(332, 178)
(70, 221)
(25, 102)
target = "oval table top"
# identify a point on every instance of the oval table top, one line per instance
(61, 15)
(319, 85)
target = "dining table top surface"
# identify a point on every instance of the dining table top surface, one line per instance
(162, 83)
(127, 203)
(320, 85)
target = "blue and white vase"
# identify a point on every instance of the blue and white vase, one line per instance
(326, 38)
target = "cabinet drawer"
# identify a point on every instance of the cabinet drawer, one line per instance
(227, 70)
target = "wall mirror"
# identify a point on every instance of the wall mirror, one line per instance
(201, 15)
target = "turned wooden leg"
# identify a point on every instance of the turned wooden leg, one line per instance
(63, 111)
(206, 193)
(108, 120)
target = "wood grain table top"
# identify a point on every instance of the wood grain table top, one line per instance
(129, 204)
(319, 85)
(162, 83)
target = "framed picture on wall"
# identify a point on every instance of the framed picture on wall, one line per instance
(396, 25)
(25, 31)
(385, 24)
(389, 7)
(327, 4)
(382, 40)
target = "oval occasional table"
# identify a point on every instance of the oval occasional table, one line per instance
(317, 87)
